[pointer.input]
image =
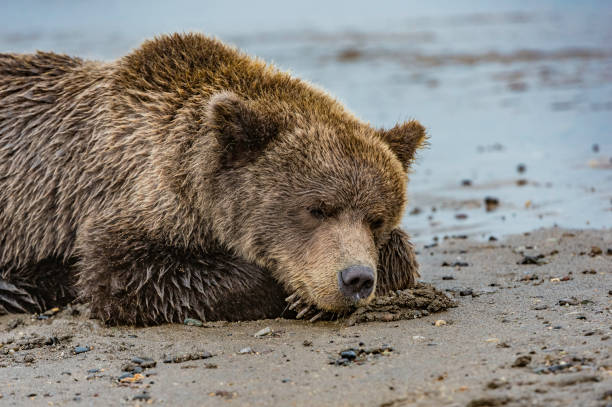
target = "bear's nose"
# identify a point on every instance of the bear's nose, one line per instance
(356, 282)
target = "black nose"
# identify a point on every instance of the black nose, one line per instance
(356, 282)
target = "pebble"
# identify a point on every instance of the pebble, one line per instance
(568, 301)
(521, 168)
(595, 251)
(144, 362)
(81, 349)
(466, 292)
(491, 203)
(440, 322)
(455, 264)
(497, 383)
(522, 361)
(266, 331)
(448, 278)
(192, 322)
(537, 260)
(349, 354)
(307, 342)
(144, 396)
(245, 351)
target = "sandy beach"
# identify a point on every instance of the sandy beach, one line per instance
(521, 335)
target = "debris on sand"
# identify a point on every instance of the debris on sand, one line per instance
(81, 349)
(263, 332)
(491, 203)
(193, 322)
(403, 304)
(360, 355)
(187, 357)
(535, 260)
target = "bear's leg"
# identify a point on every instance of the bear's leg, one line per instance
(397, 265)
(36, 287)
(130, 279)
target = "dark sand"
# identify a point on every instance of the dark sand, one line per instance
(507, 343)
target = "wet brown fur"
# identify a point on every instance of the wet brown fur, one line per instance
(181, 180)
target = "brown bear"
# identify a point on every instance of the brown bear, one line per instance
(188, 179)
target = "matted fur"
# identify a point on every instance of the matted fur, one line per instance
(177, 181)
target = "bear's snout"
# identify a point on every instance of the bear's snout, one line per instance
(356, 282)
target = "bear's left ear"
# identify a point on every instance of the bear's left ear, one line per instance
(404, 139)
(241, 130)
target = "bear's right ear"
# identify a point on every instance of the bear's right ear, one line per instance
(404, 139)
(241, 130)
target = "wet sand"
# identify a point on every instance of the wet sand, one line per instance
(508, 342)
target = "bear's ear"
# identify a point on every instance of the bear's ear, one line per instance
(404, 139)
(242, 131)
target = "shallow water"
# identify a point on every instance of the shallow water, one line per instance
(497, 84)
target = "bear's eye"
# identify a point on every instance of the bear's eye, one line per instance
(376, 223)
(322, 212)
(317, 213)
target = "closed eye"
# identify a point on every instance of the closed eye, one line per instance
(322, 211)
(317, 213)
(376, 224)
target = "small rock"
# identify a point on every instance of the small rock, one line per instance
(440, 322)
(342, 362)
(497, 383)
(348, 354)
(415, 211)
(489, 401)
(537, 260)
(466, 292)
(448, 278)
(81, 349)
(461, 216)
(466, 183)
(521, 168)
(455, 264)
(144, 362)
(595, 251)
(568, 301)
(144, 396)
(263, 332)
(245, 351)
(491, 203)
(307, 342)
(51, 312)
(522, 361)
(192, 322)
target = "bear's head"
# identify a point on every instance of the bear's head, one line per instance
(312, 200)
